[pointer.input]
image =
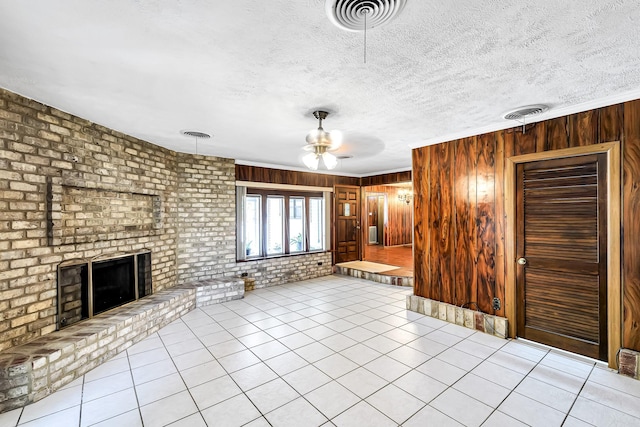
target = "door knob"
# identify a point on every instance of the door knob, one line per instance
(522, 261)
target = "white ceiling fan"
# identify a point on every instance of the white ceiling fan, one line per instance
(320, 143)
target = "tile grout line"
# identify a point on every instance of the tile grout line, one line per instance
(578, 394)
(455, 382)
(199, 411)
(547, 352)
(610, 388)
(81, 402)
(227, 373)
(135, 390)
(313, 364)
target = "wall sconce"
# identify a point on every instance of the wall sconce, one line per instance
(405, 196)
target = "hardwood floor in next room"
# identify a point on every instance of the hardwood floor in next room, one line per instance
(399, 256)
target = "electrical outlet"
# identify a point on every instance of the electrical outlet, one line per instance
(245, 274)
(496, 304)
(320, 263)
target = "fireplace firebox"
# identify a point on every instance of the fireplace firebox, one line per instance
(90, 287)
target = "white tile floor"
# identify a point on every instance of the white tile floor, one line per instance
(334, 351)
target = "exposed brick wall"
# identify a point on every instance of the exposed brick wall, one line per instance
(45, 152)
(39, 143)
(207, 230)
(207, 217)
(94, 211)
(268, 272)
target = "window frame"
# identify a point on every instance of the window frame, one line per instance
(287, 195)
(323, 222)
(258, 226)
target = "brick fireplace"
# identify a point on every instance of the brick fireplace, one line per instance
(72, 191)
(88, 288)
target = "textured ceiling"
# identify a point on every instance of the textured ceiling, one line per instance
(251, 71)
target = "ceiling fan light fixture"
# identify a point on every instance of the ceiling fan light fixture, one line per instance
(311, 160)
(319, 143)
(336, 139)
(330, 161)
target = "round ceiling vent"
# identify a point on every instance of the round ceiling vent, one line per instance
(350, 14)
(526, 112)
(195, 134)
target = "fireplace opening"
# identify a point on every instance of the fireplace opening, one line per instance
(88, 288)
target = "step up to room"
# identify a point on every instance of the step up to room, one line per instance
(387, 278)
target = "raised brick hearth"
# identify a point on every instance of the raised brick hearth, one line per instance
(32, 371)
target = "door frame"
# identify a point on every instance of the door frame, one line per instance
(365, 232)
(614, 285)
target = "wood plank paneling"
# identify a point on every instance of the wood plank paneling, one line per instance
(421, 201)
(435, 224)
(583, 128)
(472, 230)
(500, 267)
(540, 132)
(280, 176)
(464, 251)
(447, 225)
(617, 122)
(525, 142)
(611, 123)
(557, 134)
(509, 143)
(631, 226)
(485, 222)
(387, 178)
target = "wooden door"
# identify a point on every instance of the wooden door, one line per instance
(347, 216)
(561, 238)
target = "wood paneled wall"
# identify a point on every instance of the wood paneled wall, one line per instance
(459, 207)
(398, 228)
(281, 176)
(387, 178)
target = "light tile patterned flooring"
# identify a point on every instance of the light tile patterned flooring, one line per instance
(334, 351)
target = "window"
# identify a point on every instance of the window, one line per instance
(275, 225)
(296, 224)
(316, 223)
(274, 222)
(253, 215)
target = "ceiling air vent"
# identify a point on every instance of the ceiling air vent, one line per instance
(523, 113)
(350, 14)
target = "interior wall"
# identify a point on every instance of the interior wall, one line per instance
(459, 207)
(386, 178)
(280, 176)
(206, 213)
